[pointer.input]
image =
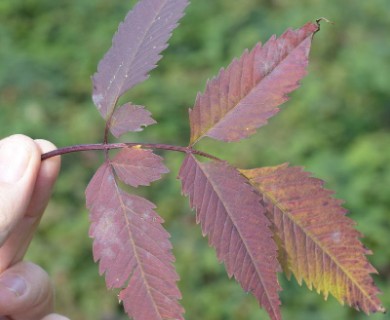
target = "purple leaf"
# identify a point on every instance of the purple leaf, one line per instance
(135, 166)
(135, 50)
(129, 117)
(133, 249)
(242, 97)
(231, 214)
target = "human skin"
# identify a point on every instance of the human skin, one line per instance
(26, 183)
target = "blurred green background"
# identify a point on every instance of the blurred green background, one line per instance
(337, 125)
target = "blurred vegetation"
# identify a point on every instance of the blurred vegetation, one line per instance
(337, 125)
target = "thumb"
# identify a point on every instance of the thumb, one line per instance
(19, 166)
(25, 292)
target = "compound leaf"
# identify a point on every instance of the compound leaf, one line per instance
(129, 117)
(231, 214)
(135, 50)
(136, 166)
(320, 243)
(133, 249)
(242, 97)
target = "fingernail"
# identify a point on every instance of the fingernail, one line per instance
(14, 159)
(14, 283)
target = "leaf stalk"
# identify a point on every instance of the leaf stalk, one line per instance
(111, 146)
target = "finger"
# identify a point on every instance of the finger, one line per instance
(19, 166)
(18, 241)
(25, 292)
(47, 176)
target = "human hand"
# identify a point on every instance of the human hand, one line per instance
(25, 188)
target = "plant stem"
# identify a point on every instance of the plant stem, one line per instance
(109, 146)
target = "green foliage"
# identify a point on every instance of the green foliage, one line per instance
(337, 124)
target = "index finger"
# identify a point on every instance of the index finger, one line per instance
(19, 239)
